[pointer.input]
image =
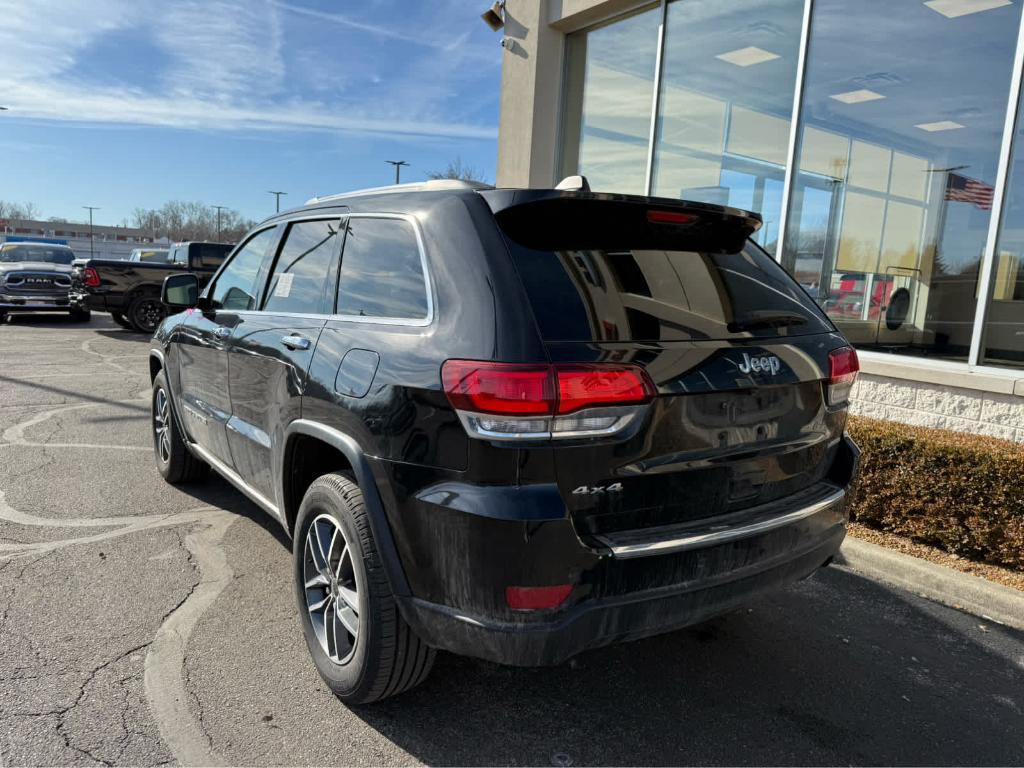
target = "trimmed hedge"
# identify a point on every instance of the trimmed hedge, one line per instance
(958, 492)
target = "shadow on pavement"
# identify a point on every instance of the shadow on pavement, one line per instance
(218, 492)
(76, 394)
(42, 318)
(837, 670)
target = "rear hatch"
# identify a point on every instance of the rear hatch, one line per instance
(736, 350)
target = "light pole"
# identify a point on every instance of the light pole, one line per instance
(277, 200)
(218, 208)
(91, 208)
(398, 169)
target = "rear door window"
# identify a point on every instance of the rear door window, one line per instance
(382, 271)
(299, 281)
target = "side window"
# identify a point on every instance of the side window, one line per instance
(381, 270)
(236, 284)
(303, 267)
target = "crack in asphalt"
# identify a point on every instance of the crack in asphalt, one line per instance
(165, 674)
(126, 525)
(62, 712)
(108, 360)
(15, 435)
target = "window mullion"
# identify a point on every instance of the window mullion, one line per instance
(789, 176)
(998, 198)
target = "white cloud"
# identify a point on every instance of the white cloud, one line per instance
(220, 49)
(224, 70)
(123, 106)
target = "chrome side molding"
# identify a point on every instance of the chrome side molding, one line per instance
(236, 480)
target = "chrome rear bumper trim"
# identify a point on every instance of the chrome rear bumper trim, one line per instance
(712, 532)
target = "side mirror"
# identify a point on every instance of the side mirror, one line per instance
(180, 291)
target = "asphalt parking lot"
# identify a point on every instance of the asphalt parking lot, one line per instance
(144, 625)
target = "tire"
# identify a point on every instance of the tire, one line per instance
(81, 315)
(384, 657)
(898, 309)
(146, 313)
(122, 320)
(174, 460)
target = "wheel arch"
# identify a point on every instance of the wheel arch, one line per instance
(348, 455)
(156, 364)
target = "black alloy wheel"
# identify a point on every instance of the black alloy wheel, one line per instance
(146, 313)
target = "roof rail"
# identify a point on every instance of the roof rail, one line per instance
(416, 186)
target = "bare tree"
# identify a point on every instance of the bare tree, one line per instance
(190, 220)
(456, 169)
(18, 211)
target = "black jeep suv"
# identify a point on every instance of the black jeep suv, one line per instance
(513, 424)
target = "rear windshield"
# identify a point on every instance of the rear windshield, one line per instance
(655, 294)
(38, 253)
(210, 254)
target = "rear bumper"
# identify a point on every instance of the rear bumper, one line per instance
(461, 546)
(602, 621)
(95, 302)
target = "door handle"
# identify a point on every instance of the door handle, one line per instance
(221, 332)
(295, 342)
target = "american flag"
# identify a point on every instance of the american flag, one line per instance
(962, 189)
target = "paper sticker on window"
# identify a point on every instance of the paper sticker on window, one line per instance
(284, 285)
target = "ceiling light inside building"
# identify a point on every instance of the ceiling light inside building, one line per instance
(746, 57)
(856, 97)
(942, 125)
(952, 9)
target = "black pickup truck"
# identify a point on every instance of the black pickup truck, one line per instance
(130, 290)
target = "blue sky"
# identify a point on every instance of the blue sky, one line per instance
(130, 103)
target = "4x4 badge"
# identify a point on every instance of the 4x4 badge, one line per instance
(593, 490)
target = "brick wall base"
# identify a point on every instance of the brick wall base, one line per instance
(933, 405)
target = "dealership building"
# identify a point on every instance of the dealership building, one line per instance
(880, 140)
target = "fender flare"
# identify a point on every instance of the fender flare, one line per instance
(379, 525)
(158, 355)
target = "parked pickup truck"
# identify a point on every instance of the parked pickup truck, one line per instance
(130, 290)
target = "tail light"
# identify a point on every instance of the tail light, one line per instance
(842, 373)
(507, 401)
(91, 277)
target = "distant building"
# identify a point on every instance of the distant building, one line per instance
(107, 242)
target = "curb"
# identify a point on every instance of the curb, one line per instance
(962, 591)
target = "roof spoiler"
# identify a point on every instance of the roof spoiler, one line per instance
(558, 219)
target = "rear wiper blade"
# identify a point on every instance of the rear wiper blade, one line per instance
(754, 321)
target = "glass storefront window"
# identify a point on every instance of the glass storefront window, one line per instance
(901, 124)
(1003, 335)
(609, 91)
(728, 73)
